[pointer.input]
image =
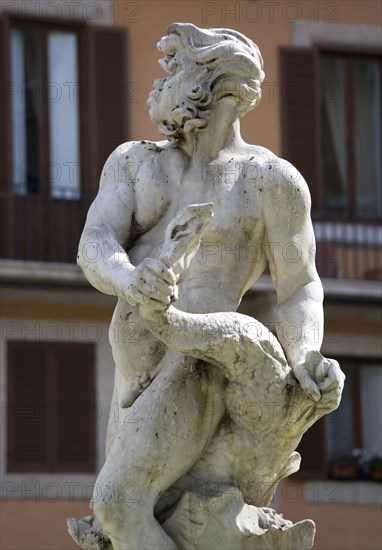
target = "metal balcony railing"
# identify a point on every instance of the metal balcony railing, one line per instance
(46, 229)
(349, 250)
(38, 227)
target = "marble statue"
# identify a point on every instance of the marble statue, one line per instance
(221, 403)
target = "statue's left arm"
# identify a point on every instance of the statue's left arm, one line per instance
(290, 246)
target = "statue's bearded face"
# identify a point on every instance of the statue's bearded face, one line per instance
(171, 92)
(205, 66)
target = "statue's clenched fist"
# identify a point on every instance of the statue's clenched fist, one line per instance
(320, 378)
(151, 284)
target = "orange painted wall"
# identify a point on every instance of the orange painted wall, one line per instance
(30, 525)
(269, 24)
(339, 526)
(41, 525)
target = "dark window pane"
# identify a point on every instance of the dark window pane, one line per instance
(63, 115)
(371, 408)
(26, 110)
(366, 81)
(340, 422)
(333, 135)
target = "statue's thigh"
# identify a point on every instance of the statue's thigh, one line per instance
(167, 428)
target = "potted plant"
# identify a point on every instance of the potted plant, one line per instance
(375, 466)
(347, 466)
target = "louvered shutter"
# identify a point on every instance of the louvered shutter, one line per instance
(27, 407)
(50, 407)
(75, 408)
(46, 229)
(108, 89)
(300, 133)
(300, 112)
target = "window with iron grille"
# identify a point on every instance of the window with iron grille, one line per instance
(332, 132)
(63, 111)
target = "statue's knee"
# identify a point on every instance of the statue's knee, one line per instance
(107, 513)
(113, 512)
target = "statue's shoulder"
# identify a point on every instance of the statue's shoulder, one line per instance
(126, 161)
(279, 176)
(264, 159)
(260, 162)
(137, 151)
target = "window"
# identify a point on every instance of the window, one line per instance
(356, 424)
(332, 128)
(62, 113)
(351, 144)
(50, 407)
(331, 131)
(37, 54)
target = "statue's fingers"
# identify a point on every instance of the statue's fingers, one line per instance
(158, 268)
(327, 384)
(334, 378)
(151, 303)
(331, 399)
(322, 370)
(152, 293)
(312, 391)
(307, 383)
(153, 272)
(175, 293)
(157, 284)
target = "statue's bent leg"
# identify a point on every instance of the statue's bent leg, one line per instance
(114, 415)
(175, 420)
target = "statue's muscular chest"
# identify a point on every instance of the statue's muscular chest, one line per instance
(164, 187)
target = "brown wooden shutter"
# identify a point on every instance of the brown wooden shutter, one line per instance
(36, 227)
(26, 407)
(312, 449)
(75, 408)
(50, 407)
(107, 89)
(300, 112)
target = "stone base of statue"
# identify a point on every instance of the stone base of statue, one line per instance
(221, 521)
(224, 521)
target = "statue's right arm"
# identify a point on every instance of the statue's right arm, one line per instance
(108, 230)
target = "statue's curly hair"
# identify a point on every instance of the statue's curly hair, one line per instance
(230, 66)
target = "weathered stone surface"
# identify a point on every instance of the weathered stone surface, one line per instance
(227, 523)
(172, 223)
(88, 533)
